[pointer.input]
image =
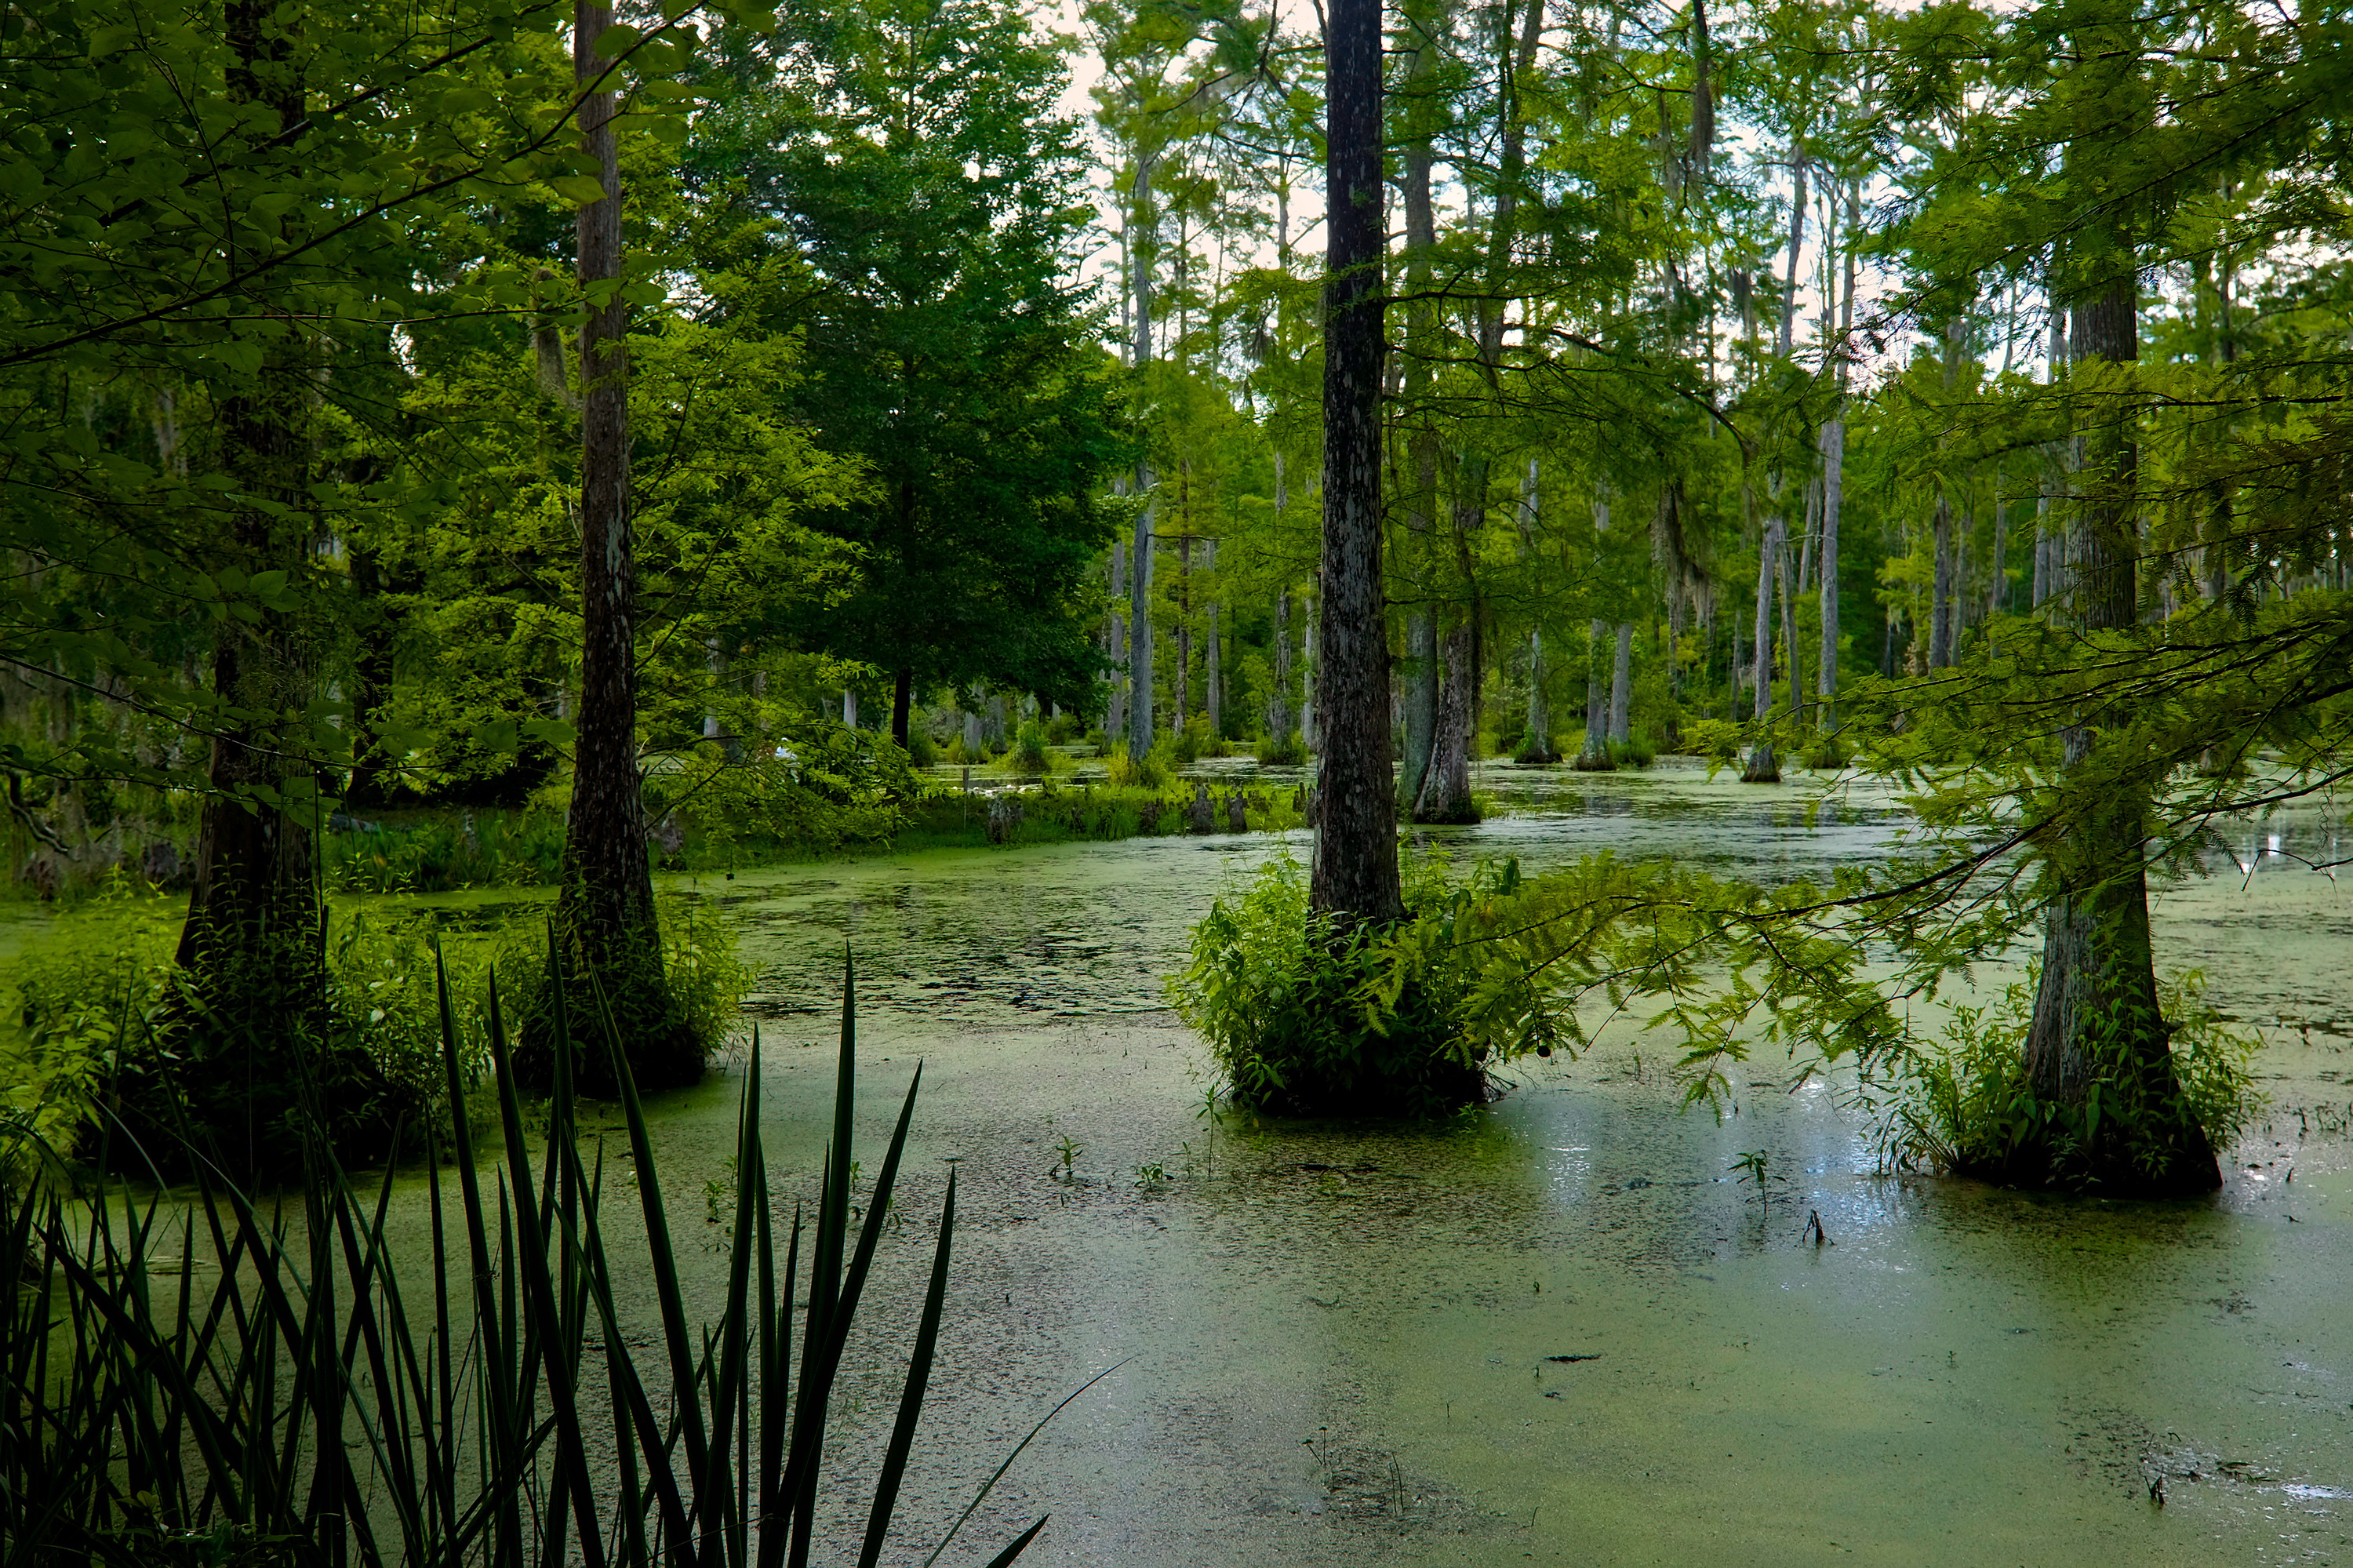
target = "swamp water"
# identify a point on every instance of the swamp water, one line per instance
(1557, 1330)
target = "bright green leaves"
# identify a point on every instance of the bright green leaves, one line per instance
(580, 190)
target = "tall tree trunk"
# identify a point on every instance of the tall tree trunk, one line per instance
(903, 695)
(1445, 794)
(1789, 646)
(1537, 745)
(1593, 752)
(1354, 876)
(1997, 591)
(1763, 766)
(252, 1014)
(605, 908)
(1310, 731)
(1181, 678)
(1622, 685)
(1833, 440)
(1213, 677)
(252, 1020)
(1421, 715)
(1115, 648)
(1139, 624)
(1940, 602)
(2097, 1017)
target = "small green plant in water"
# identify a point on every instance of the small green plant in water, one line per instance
(1972, 1104)
(1755, 1167)
(1153, 1176)
(1065, 1168)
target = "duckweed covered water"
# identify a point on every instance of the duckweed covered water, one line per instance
(1562, 1329)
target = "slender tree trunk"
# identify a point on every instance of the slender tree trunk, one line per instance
(1940, 604)
(1621, 683)
(1354, 876)
(1445, 794)
(1833, 441)
(1593, 752)
(903, 693)
(1310, 731)
(1181, 678)
(1115, 648)
(604, 909)
(1215, 672)
(1998, 592)
(1763, 766)
(1139, 625)
(1537, 745)
(1421, 715)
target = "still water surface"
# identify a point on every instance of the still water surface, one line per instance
(1344, 1345)
(1557, 1330)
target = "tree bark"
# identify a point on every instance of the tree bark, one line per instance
(2097, 1017)
(1537, 745)
(1621, 683)
(252, 1021)
(1354, 876)
(1833, 440)
(1763, 766)
(1139, 623)
(1940, 603)
(1593, 752)
(1445, 792)
(605, 908)
(1421, 504)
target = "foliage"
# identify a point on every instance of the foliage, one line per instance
(1288, 750)
(912, 158)
(1970, 1107)
(1308, 1016)
(1151, 771)
(1029, 755)
(161, 1420)
(438, 854)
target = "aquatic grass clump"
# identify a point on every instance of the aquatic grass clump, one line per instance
(1288, 750)
(293, 1398)
(1029, 755)
(1308, 1016)
(1971, 1107)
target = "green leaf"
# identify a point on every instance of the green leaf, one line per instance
(580, 190)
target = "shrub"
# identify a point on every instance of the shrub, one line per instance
(1971, 1106)
(1150, 772)
(922, 750)
(1029, 755)
(1636, 751)
(1288, 750)
(1307, 1017)
(1535, 748)
(1828, 753)
(1716, 739)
